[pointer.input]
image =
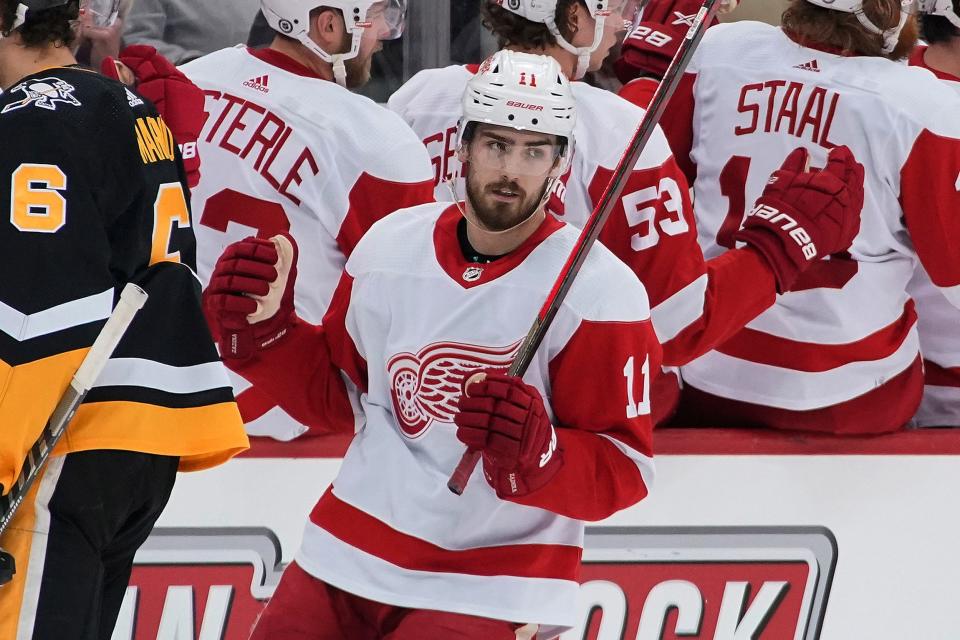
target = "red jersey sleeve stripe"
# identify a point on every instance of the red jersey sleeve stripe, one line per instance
(930, 198)
(373, 198)
(765, 348)
(680, 310)
(937, 376)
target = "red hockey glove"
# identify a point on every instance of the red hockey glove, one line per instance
(505, 419)
(179, 101)
(651, 46)
(249, 301)
(805, 215)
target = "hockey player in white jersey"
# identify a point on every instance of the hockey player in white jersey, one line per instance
(840, 353)
(939, 321)
(389, 552)
(286, 148)
(695, 304)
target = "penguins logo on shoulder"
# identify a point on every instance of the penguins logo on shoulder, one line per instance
(133, 99)
(44, 93)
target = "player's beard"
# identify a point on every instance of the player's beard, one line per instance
(907, 41)
(496, 215)
(358, 69)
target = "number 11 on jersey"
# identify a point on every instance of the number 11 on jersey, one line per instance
(629, 370)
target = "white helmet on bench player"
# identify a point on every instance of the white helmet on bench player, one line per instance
(943, 8)
(292, 19)
(890, 36)
(545, 12)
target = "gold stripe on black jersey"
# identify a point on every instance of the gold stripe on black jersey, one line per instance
(201, 436)
(28, 394)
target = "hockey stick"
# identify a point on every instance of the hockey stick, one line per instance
(132, 300)
(461, 475)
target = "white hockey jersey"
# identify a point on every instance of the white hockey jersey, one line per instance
(284, 150)
(751, 95)
(694, 304)
(939, 327)
(408, 323)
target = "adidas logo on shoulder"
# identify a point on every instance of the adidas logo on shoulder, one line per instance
(259, 84)
(809, 66)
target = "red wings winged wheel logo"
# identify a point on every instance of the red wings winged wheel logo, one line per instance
(426, 386)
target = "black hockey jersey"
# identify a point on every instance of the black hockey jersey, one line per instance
(92, 196)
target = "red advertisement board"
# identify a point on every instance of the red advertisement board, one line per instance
(643, 583)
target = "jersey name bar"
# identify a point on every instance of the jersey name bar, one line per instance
(270, 135)
(788, 107)
(155, 140)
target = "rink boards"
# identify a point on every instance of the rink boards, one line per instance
(746, 536)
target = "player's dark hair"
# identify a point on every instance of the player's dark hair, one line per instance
(937, 29)
(514, 30)
(44, 26)
(811, 23)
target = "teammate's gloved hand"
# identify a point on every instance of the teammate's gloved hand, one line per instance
(805, 215)
(179, 101)
(249, 301)
(652, 45)
(504, 419)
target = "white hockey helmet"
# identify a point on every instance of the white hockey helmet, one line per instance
(525, 92)
(890, 36)
(292, 19)
(545, 12)
(522, 91)
(942, 8)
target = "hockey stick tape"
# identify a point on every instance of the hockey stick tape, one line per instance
(470, 380)
(132, 299)
(269, 304)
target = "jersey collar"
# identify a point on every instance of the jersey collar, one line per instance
(283, 61)
(473, 274)
(917, 60)
(819, 46)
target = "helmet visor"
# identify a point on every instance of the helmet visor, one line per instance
(513, 152)
(388, 18)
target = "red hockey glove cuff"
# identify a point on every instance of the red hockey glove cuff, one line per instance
(805, 215)
(504, 419)
(249, 301)
(179, 101)
(653, 43)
